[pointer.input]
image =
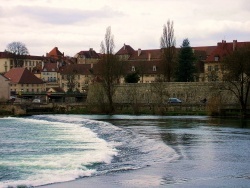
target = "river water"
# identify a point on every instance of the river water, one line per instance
(124, 151)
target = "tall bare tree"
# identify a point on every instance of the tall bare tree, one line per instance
(71, 81)
(168, 50)
(110, 68)
(237, 75)
(19, 51)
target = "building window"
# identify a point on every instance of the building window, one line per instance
(154, 68)
(133, 68)
(209, 68)
(216, 58)
(216, 67)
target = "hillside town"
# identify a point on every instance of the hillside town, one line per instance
(55, 74)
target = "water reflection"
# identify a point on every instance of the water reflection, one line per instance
(213, 152)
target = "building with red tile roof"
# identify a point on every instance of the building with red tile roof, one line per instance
(213, 63)
(125, 52)
(145, 62)
(148, 62)
(55, 54)
(87, 57)
(22, 80)
(28, 61)
(81, 75)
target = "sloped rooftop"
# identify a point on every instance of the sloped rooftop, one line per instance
(22, 76)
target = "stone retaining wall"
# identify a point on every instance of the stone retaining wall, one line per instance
(158, 93)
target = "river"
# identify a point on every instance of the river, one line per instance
(124, 151)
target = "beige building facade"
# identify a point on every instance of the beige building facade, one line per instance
(4, 88)
(213, 65)
(23, 81)
(29, 62)
(75, 78)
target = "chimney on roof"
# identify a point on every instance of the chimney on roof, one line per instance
(223, 44)
(234, 44)
(139, 51)
(149, 56)
(91, 49)
(124, 46)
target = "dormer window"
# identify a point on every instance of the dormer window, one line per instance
(133, 68)
(216, 58)
(154, 68)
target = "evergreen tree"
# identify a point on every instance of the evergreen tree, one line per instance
(185, 68)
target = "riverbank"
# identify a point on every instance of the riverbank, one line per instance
(129, 109)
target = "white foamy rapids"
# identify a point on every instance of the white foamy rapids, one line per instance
(51, 168)
(47, 177)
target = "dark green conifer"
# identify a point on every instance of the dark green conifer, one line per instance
(185, 68)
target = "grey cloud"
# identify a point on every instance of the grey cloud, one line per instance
(65, 16)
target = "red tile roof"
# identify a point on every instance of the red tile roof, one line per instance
(31, 57)
(144, 67)
(22, 76)
(126, 50)
(57, 89)
(89, 54)
(55, 53)
(50, 67)
(5, 55)
(207, 49)
(152, 54)
(224, 48)
(83, 69)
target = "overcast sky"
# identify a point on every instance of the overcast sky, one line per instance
(76, 25)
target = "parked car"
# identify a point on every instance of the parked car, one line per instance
(174, 100)
(36, 101)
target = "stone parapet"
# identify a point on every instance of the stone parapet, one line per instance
(158, 93)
